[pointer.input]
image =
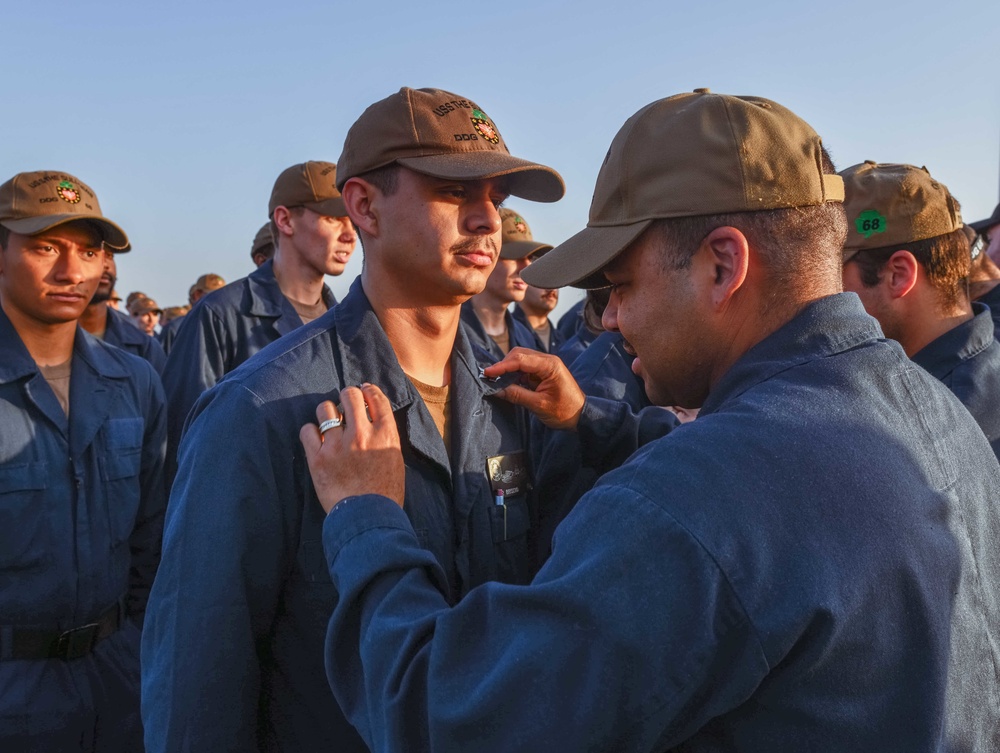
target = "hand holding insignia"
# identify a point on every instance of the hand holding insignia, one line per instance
(553, 394)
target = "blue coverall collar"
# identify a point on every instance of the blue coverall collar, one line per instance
(824, 327)
(16, 362)
(967, 340)
(123, 329)
(90, 385)
(265, 299)
(471, 319)
(368, 356)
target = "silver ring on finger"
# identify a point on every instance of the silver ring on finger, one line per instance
(330, 423)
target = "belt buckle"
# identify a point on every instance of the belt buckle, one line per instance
(76, 643)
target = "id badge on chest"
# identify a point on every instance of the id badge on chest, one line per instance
(508, 475)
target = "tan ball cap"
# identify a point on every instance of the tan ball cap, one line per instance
(443, 135)
(517, 240)
(31, 203)
(141, 306)
(262, 240)
(892, 204)
(312, 185)
(684, 156)
(209, 282)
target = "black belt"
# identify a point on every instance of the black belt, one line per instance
(71, 644)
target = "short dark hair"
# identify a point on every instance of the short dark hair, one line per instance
(945, 258)
(4, 236)
(800, 246)
(267, 251)
(385, 178)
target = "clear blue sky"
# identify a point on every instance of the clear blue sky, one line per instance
(181, 114)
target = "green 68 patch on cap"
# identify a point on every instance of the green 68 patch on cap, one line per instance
(890, 204)
(870, 222)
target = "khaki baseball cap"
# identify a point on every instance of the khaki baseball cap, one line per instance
(892, 204)
(31, 203)
(262, 240)
(516, 235)
(444, 135)
(209, 282)
(311, 185)
(141, 306)
(685, 156)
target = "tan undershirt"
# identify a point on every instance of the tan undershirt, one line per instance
(545, 333)
(436, 400)
(502, 341)
(306, 312)
(58, 378)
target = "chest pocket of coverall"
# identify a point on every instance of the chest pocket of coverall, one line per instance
(510, 524)
(120, 461)
(25, 527)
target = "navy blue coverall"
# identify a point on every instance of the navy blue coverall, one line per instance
(555, 337)
(967, 359)
(811, 565)
(572, 321)
(992, 299)
(520, 336)
(81, 514)
(226, 327)
(603, 370)
(121, 333)
(574, 347)
(233, 645)
(168, 333)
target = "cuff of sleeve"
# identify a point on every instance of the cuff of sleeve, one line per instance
(599, 421)
(355, 515)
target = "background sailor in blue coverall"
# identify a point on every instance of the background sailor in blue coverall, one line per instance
(571, 321)
(537, 303)
(81, 482)
(114, 327)
(233, 648)
(985, 286)
(262, 247)
(533, 312)
(204, 285)
(908, 258)
(314, 238)
(603, 370)
(809, 565)
(486, 316)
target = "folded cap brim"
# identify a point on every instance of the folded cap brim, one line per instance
(526, 180)
(111, 234)
(578, 261)
(521, 249)
(329, 207)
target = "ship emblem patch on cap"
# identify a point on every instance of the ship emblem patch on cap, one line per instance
(870, 222)
(484, 127)
(519, 224)
(68, 192)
